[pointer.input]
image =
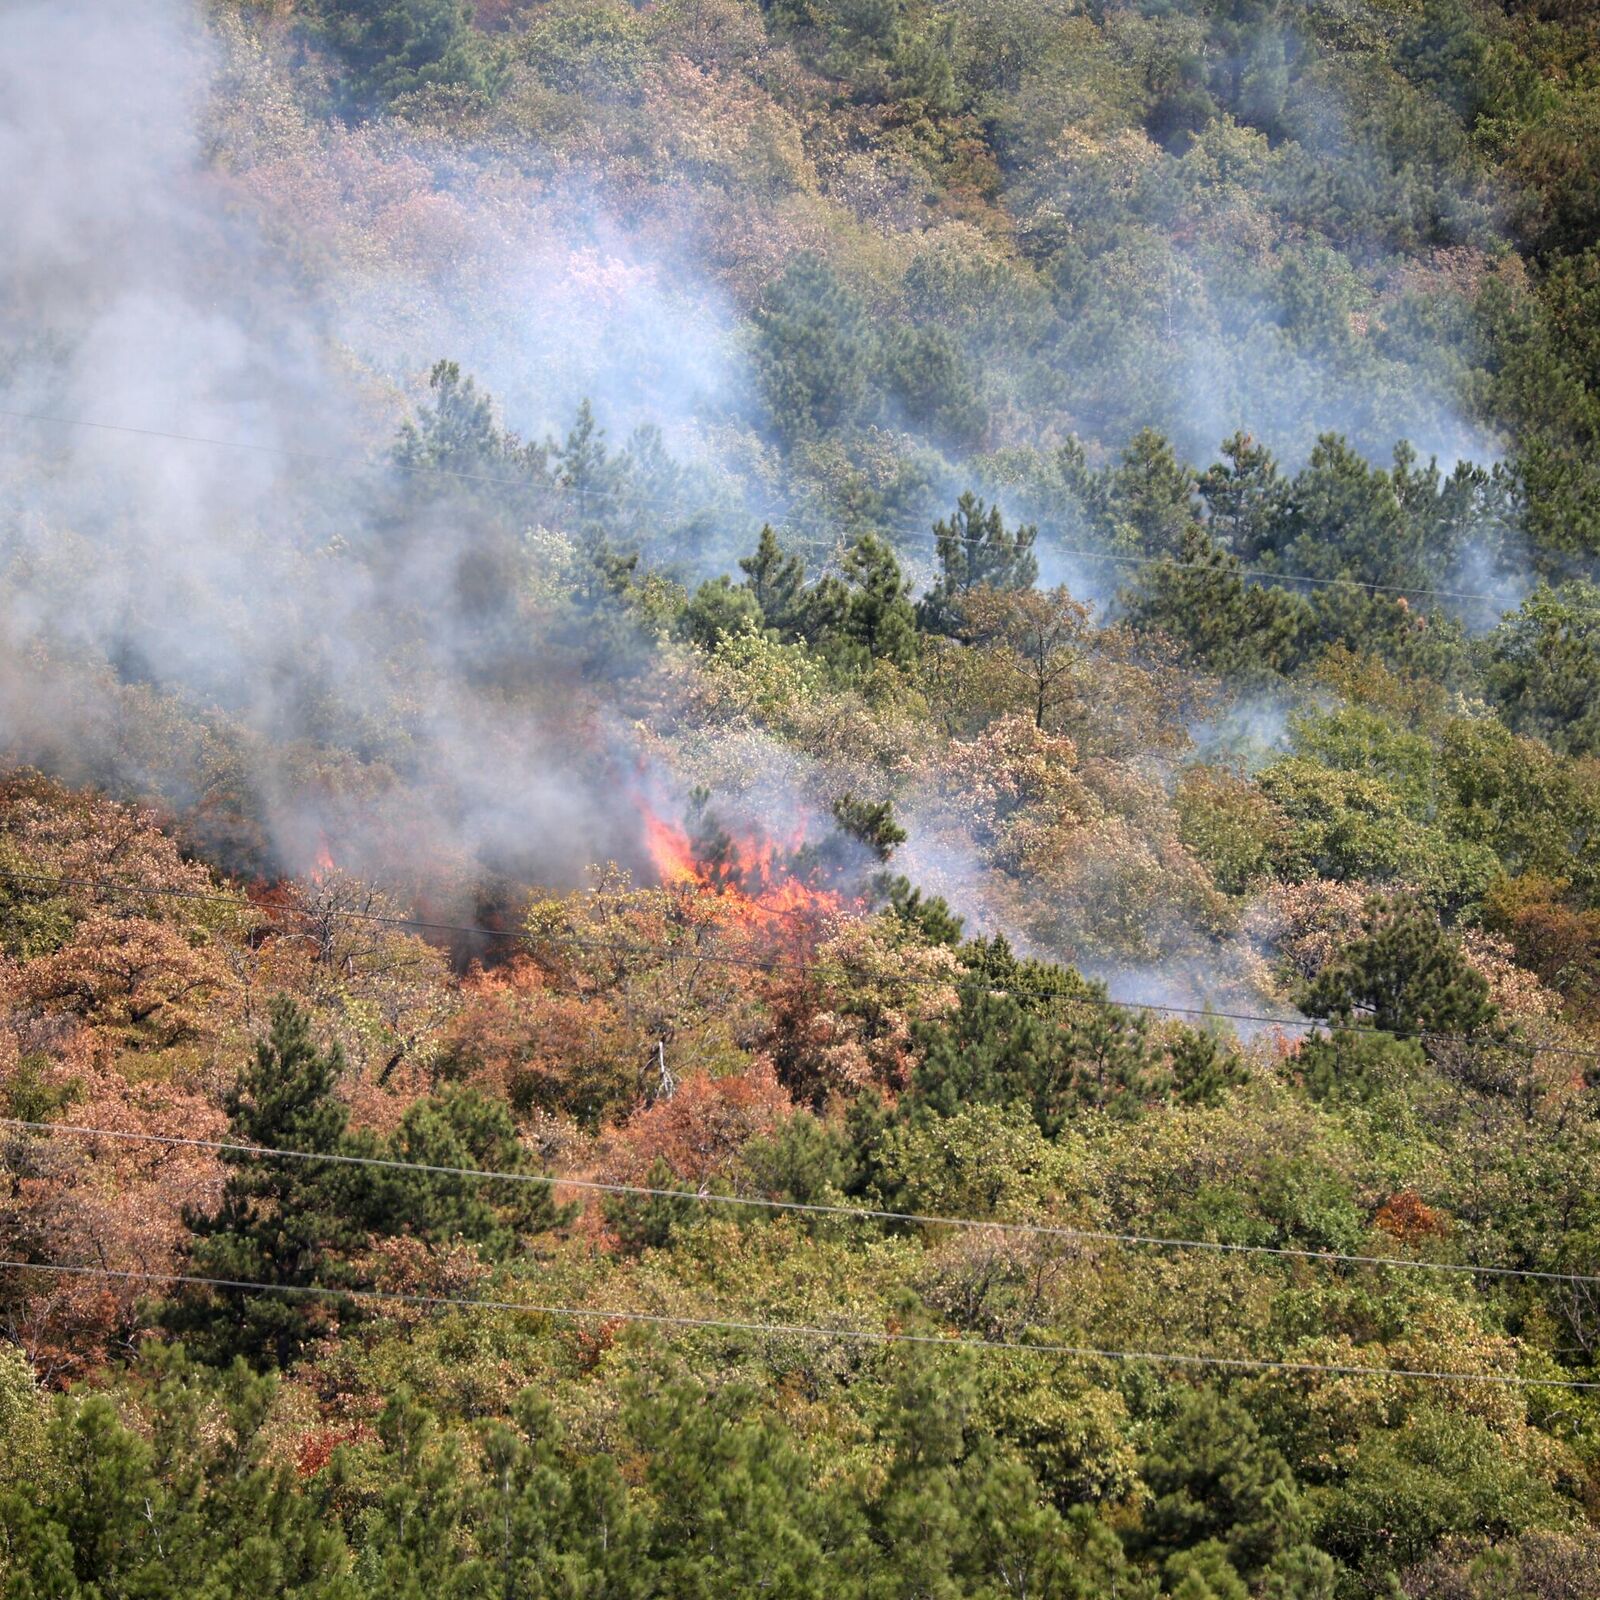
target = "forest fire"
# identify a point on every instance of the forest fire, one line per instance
(767, 881)
(323, 863)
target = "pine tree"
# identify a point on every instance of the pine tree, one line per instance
(457, 432)
(1051, 1058)
(975, 549)
(879, 623)
(1345, 520)
(652, 1221)
(415, 1536)
(931, 378)
(461, 1129)
(872, 822)
(739, 1509)
(291, 1224)
(1216, 1486)
(1545, 665)
(1231, 625)
(1405, 974)
(1152, 495)
(719, 609)
(393, 47)
(583, 460)
(1244, 500)
(193, 1503)
(455, 449)
(815, 351)
(929, 916)
(778, 582)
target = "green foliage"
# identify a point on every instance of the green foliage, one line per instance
(930, 916)
(394, 47)
(30, 1097)
(813, 351)
(719, 609)
(1559, 212)
(1349, 826)
(776, 581)
(983, 1160)
(1356, 740)
(580, 47)
(1345, 520)
(1447, 48)
(34, 918)
(1004, 1051)
(299, 1225)
(1442, 1471)
(465, 1131)
(1240, 629)
(22, 1424)
(1356, 1065)
(291, 1224)
(1544, 664)
(1245, 497)
(1405, 974)
(458, 432)
(803, 1160)
(1230, 825)
(1151, 496)
(870, 822)
(195, 1506)
(975, 548)
(1215, 1482)
(932, 382)
(652, 1221)
(1203, 1067)
(876, 621)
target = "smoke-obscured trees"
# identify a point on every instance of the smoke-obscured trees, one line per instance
(397, 47)
(975, 549)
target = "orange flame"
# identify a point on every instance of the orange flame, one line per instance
(324, 862)
(753, 872)
(670, 849)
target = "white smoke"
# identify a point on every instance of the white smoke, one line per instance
(187, 259)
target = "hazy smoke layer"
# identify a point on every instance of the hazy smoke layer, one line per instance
(185, 254)
(274, 631)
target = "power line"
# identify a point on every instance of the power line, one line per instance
(810, 1330)
(778, 964)
(808, 1208)
(382, 464)
(1271, 574)
(365, 463)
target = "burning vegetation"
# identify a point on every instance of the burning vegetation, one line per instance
(769, 881)
(445, 1150)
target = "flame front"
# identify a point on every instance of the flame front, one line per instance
(324, 862)
(753, 872)
(670, 848)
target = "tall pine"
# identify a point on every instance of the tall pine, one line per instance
(292, 1224)
(975, 548)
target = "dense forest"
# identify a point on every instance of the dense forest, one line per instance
(874, 727)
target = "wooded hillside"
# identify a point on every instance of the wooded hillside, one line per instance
(800, 799)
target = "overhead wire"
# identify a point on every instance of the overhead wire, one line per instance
(779, 964)
(555, 1181)
(885, 1337)
(366, 463)
(390, 464)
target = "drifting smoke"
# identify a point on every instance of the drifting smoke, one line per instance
(185, 255)
(274, 632)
